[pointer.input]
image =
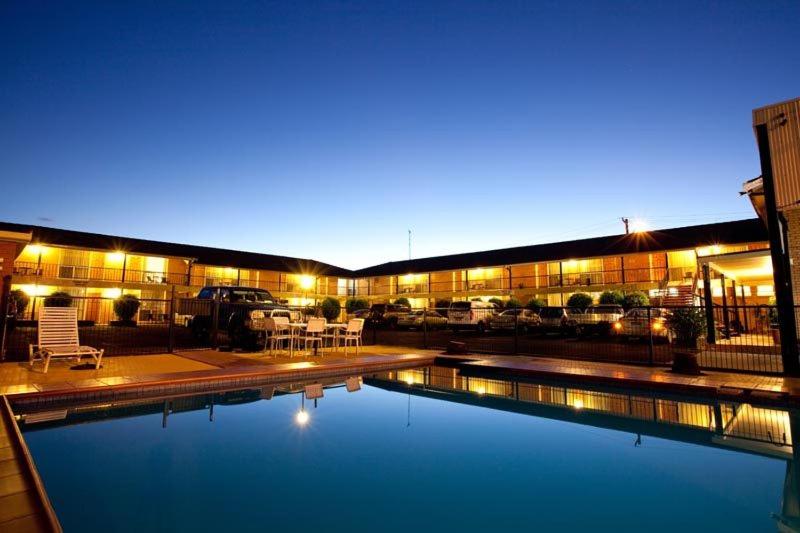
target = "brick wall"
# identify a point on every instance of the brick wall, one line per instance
(793, 220)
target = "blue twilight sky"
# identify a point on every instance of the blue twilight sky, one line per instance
(328, 129)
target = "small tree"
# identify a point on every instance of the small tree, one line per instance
(126, 307)
(688, 324)
(442, 305)
(20, 301)
(611, 298)
(635, 299)
(331, 308)
(402, 301)
(498, 302)
(581, 300)
(355, 304)
(535, 304)
(58, 299)
(513, 303)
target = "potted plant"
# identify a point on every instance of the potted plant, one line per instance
(126, 307)
(635, 299)
(58, 299)
(500, 304)
(580, 300)
(774, 325)
(331, 309)
(611, 298)
(17, 303)
(403, 301)
(513, 303)
(687, 325)
(355, 304)
(535, 304)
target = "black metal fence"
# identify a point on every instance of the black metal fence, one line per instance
(741, 338)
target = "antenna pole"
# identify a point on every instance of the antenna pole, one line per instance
(409, 244)
(626, 221)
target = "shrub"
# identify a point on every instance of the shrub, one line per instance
(688, 324)
(513, 303)
(442, 305)
(581, 300)
(402, 301)
(20, 300)
(535, 304)
(476, 300)
(331, 308)
(355, 304)
(611, 298)
(498, 302)
(635, 299)
(126, 307)
(58, 299)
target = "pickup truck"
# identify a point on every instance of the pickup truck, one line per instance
(241, 313)
(598, 319)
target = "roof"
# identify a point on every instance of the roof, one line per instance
(736, 232)
(201, 254)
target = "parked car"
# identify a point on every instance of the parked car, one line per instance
(556, 319)
(241, 312)
(470, 315)
(523, 319)
(597, 319)
(636, 324)
(415, 320)
(386, 315)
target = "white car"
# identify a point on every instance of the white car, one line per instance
(641, 323)
(470, 315)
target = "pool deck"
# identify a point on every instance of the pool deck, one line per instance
(196, 371)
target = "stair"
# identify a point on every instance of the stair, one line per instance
(675, 296)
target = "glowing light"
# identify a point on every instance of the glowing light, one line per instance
(306, 282)
(571, 263)
(639, 225)
(115, 257)
(658, 326)
(578, 403)
(34, 249)
(618, 326)
(111, 293)
(36, 290)
(409, 380)
(481, 390)
(301, 418)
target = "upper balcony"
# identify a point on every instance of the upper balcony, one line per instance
(94, 273)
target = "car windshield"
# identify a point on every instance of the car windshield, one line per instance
(251, 296)
(551, 312)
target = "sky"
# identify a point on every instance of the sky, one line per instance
(327, 130)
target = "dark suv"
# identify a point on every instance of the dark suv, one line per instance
(241, 312)
(386, 315)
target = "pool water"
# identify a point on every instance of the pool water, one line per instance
(380, 460)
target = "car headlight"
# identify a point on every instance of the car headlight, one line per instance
(658, 326)
(618, 326)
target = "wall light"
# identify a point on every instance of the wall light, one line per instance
(306, 282)
(301, 418)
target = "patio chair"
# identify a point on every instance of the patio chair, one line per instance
(58, 338)
(313, 334)
(275, 333)
(352, 335)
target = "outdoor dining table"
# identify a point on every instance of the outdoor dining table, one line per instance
(335, 326)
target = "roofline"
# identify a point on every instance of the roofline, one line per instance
(400, 266)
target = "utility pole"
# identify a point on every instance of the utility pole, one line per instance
(626, 221)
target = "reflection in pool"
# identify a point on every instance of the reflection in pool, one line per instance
(419, 449)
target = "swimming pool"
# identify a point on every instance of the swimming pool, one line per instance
(419, 450)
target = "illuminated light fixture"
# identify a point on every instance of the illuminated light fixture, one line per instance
(301, 418)
(658, 326)
(639, 225)
(578, 403)
(306, 282)
(35, 290)
(35, 249)
(409, 380)
(115, 257)
(481, 390)
(618, 326)
(112, 293)
(572, 263)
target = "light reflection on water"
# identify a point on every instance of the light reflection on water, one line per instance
(424, 449)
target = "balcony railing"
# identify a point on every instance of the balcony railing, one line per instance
(94, 273)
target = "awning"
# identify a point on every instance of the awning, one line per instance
(753, 266)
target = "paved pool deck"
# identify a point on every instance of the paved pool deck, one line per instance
(195, 371)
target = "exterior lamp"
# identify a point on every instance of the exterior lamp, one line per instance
(306, 282)
(639, 225)
(301, 418)
(578, 403)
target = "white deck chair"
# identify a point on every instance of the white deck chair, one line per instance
(313, 334)
(58, 338)
(276, 332)
(352, 335)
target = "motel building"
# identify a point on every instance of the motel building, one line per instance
(670, 265)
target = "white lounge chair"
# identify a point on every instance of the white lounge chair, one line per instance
(58, 338)
(352, 335)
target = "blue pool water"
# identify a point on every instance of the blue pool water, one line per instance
(378, 460)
